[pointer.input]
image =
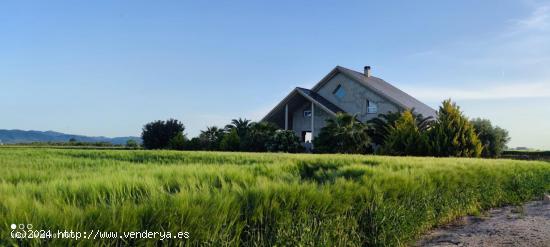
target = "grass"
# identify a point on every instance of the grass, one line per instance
(229, 199)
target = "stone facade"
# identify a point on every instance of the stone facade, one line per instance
(355, 99)
(356, 90)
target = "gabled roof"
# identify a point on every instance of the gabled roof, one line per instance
(309, 95)
(382, 88)
(320, 100)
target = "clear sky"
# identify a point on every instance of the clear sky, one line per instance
(108, 67)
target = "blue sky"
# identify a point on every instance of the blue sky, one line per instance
(108, 67)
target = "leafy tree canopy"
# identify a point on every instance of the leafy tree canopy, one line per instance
(284, 141)
(231, 141)
(211, 137)
(157, 134)
(258, 135)
(493, 138)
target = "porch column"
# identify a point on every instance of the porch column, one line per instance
(286, 117)
(312, 121)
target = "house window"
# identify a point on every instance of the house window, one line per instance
(339, 92)
(307, 113)
(372, 107)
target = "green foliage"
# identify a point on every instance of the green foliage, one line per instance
(284, 141)
(405, 137)
(251, 199)
(493, 139)
(177, 142)
(243, 135)
(210, 138)
(241, 126)
(379, 127)
(258, 136)
(132, 144)
(157, 134)
(452, 134)
(195, 143)
(231, 141)
(343, 134)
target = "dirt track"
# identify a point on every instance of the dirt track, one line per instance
(527, 225)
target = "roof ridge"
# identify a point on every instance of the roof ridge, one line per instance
(394, 93)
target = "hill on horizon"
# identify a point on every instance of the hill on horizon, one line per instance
(26, 136)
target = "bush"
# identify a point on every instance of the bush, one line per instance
(379, 127)
(258, 136)
(158, 134)
(452, 134)
(493, 139)
(284, 141)
(231, 141)
(132, 144)
(210, 138)
(343, 134)
(405, 137)
(177, 142)
(195, 143)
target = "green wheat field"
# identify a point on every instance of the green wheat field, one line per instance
(249, 199)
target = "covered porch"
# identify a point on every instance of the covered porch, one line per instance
(302, 111)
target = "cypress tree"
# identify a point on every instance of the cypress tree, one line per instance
(453, 134)
(405, 137)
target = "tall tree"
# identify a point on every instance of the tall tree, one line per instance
(231, 141)
(379, 127)
(452, 134)
(343, 134)
(258, 136)
(405, 137)
(211, 137)
(493, 138)
(178, 142)
(157, 134)
(240, 125)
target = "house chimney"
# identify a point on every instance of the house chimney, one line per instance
(367, 71)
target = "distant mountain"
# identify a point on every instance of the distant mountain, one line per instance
(26, 136)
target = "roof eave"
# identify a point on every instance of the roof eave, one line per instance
(289, 96)
(285, 99)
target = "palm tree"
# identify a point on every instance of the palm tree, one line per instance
(240, 125)
(212, 137)
(258, 136)
(380, 126)
(343, 134)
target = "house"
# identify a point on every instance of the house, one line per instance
(305, 111)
